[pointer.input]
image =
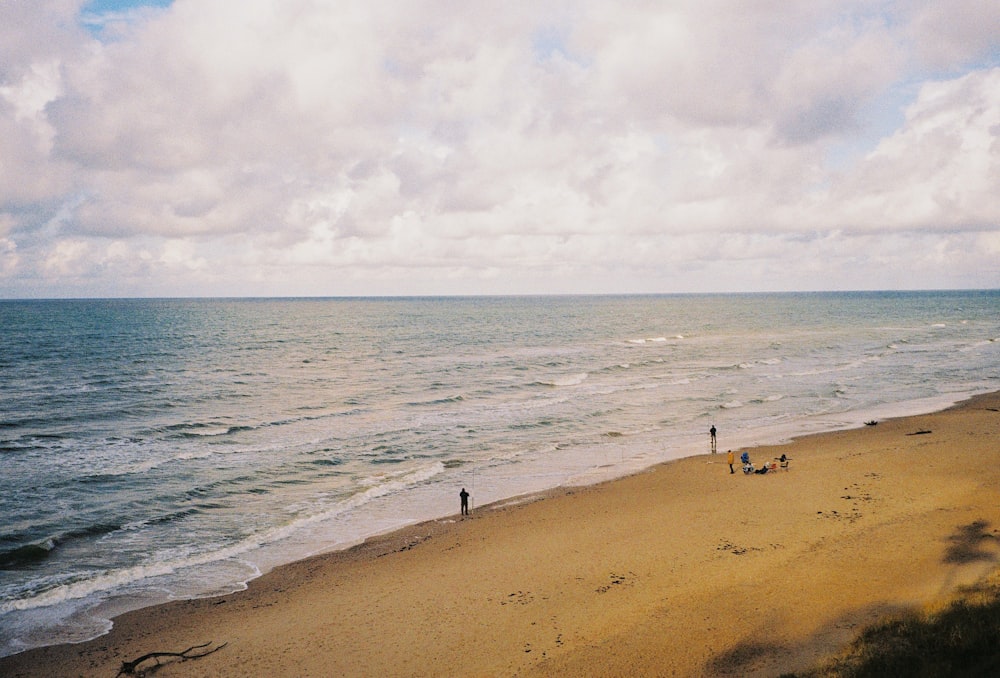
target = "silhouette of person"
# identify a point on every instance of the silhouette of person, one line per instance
(464, 496)
(731, 459)
(711, 432)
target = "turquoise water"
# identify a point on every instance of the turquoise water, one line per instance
(160, 449)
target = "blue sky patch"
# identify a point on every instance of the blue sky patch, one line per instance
(103, 6)
(99, 17)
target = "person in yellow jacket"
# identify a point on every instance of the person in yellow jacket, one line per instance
(731, 459)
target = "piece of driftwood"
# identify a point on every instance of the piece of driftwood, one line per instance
(129, 668)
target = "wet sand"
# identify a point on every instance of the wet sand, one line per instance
(681, 570)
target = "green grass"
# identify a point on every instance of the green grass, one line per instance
(962, 639)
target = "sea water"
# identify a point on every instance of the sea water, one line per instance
(160, 449)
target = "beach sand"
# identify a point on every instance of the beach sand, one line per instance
(681, 570)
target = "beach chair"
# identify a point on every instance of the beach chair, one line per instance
(767, 467)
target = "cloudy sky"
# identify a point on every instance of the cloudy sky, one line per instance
(343, 147)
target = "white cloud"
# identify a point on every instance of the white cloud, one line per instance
(9, 258)
(949, 35)
(941, 170)
(822, 86)
(352, 148)
(68, 259)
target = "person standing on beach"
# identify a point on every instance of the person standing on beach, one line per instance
(464, 496)
(711, 432)
(731, 459)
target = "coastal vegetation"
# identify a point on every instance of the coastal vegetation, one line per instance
(960, 639)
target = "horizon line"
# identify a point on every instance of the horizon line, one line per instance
(523, 295)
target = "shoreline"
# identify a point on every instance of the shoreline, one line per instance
(99, 619)
(680, 565)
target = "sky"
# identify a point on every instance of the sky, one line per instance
(379, 147)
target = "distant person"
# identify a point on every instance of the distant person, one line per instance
(464, 496)
(731, 459)
(711, 432)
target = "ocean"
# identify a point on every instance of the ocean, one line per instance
(164, 449)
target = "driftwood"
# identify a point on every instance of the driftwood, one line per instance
(129, 668)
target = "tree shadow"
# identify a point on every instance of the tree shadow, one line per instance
(781, 657)
(967, 544)
(740, 659)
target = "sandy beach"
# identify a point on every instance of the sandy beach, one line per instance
(681, 570)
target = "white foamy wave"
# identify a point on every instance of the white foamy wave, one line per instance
(193, 454)
(208, 432)
(842, 367)
(978, 345)
(118, 579)
(378, 487)
(749, 365)
(732, 405)
(409, 477)
(566, 380)
(115, 580)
